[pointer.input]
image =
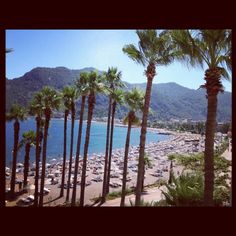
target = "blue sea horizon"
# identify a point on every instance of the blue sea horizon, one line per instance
(55, 139)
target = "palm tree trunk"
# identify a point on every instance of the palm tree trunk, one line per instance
(78, 150)
(209, 150)
(104, 190)
(71, 152)
(16, 139)
(111, 144)
(64, 155)
(37, 157)
(143, 178)
(213, 86)
(26, 164)
(122, 203)
(45, 136)
(150, 75)
(171, 173)
(91, 102)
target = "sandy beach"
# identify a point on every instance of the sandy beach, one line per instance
(159, 169)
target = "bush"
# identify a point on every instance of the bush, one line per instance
(186, 190)
(145, 204)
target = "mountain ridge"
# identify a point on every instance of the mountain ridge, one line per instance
(168, 100)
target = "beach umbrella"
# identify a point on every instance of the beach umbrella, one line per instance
(31, 187)
(20, 165)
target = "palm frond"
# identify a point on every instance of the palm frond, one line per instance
(9, 50)
(134, 54)
(51, 99)
(17, 112)
(135, 99)
(126, 120)
(136, 121)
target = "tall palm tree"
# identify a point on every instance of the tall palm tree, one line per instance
(117, 98)
(82, 85)
(154, 49)
(36, 109)
(51, 100)
(211, 48)
(17, 113)
(73, 95)
(95, 86)
(113, 80)
(135, 101)
(29, 140)
(66, 113)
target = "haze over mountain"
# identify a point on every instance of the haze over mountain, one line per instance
(168, 100)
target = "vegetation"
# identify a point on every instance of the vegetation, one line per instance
(135, 102)
(50, 101)
(145, 204)
(72, 95)
(205, 178)
(168, 100)
(213, 49)
(154, 49)
(113, 195)
(195, 164)
(16, 114)
(9, 50)
(82, 84)
(113, 82)
(116, 98)
(188, 190)
(28, 140)
(66, 101)
(36, 109)
(95, 86)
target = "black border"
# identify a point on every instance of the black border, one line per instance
(126, 15)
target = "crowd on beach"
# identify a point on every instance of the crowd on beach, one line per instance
(159, 169)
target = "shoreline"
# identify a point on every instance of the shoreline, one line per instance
(59, 156)
(157, 153)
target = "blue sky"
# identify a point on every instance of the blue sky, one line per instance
(76, 49)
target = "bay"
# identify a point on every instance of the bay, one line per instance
(55, 138)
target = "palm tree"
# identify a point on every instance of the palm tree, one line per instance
(29, 139)
(113, 80)
(211, 48)
(117, 98)
(135, 101)
(17, 113)
(72, 95)
(95, 86)
(66, 113)
(82, 85)
(9, 50)
(36, 108)
(51, 100)
(147, 162)
(154, 49)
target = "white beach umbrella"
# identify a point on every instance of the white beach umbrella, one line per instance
(31, 187)
(20, 164)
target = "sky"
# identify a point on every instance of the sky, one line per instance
(77, 49)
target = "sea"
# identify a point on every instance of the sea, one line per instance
(55, 139)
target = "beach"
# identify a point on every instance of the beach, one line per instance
(159, 169)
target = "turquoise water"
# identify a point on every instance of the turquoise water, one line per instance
(55, 138)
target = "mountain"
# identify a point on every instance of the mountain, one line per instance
(168, 100)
